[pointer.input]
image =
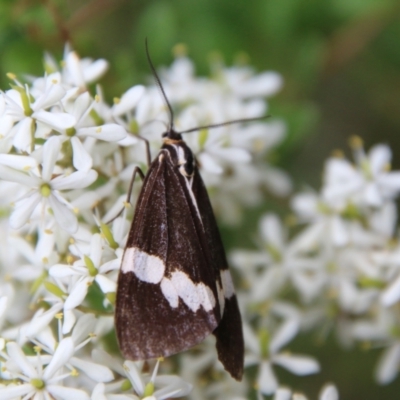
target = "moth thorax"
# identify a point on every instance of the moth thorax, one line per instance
(185, 160)
(181, 156)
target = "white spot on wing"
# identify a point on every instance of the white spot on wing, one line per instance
(169, 292)
(151, 269)
(186, 289)
(194, 296)
(146, 267)
(227, 283)
(206, 296)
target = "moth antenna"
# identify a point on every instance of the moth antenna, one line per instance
(233, 121)
(171, 112)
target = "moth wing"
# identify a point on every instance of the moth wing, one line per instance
(166, 297)
(229, 333)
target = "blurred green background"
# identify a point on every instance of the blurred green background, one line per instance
(340, 60)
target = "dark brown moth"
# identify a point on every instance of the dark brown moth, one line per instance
(174, 286)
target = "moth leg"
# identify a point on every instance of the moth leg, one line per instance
(136, 171)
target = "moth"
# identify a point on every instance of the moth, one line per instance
(174, 286)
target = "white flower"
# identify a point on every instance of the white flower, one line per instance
(101, 392)
(88, 269)
(44, 189)
(38, 257)
(368, 183)
(391, 294)
(38, 381)
(80, 108)
(328, 392)
(388, 364)
(25, 112)
(170, 386)
(265, 353)
(79, 72)
(7, 294)
(280, 261)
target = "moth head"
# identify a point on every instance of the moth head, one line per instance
(171, 134)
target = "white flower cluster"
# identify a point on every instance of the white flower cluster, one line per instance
(66, 157)
(339, 272)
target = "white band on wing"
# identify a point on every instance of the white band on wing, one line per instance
(146, 267)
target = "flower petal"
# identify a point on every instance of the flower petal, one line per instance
(61, 356)
(59, 121)
(53, 94)
(283, 394)
(286, 332)
(129, 100)
(63, 215)
(108, 132)
(305, 205)
(13, 392)
(67, 393)
(272, 232)
(96, 249)
(61, 271)
(51, 151)
(340, 234)
(84, 326)
(266, 380)
(69, 321)
(379, 158)
(19, 358)
(73, 70)
(77, 180)
(22, 134)
(106, 284)
(95, 70)
(134, 376)
(299, 365)
(388, 365)
(372, 195)
(104, 358)
(329, 392)
(173, 386)
(98, 392)
(23, 163)
(390, 183)
(45, 245)
(77, 294)
(81, 159)
(12, 175)
(97, 372)
(23, 210)
(209, 164)
(392, 293)
(232, 154)
(265, 84)
(42, 319)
